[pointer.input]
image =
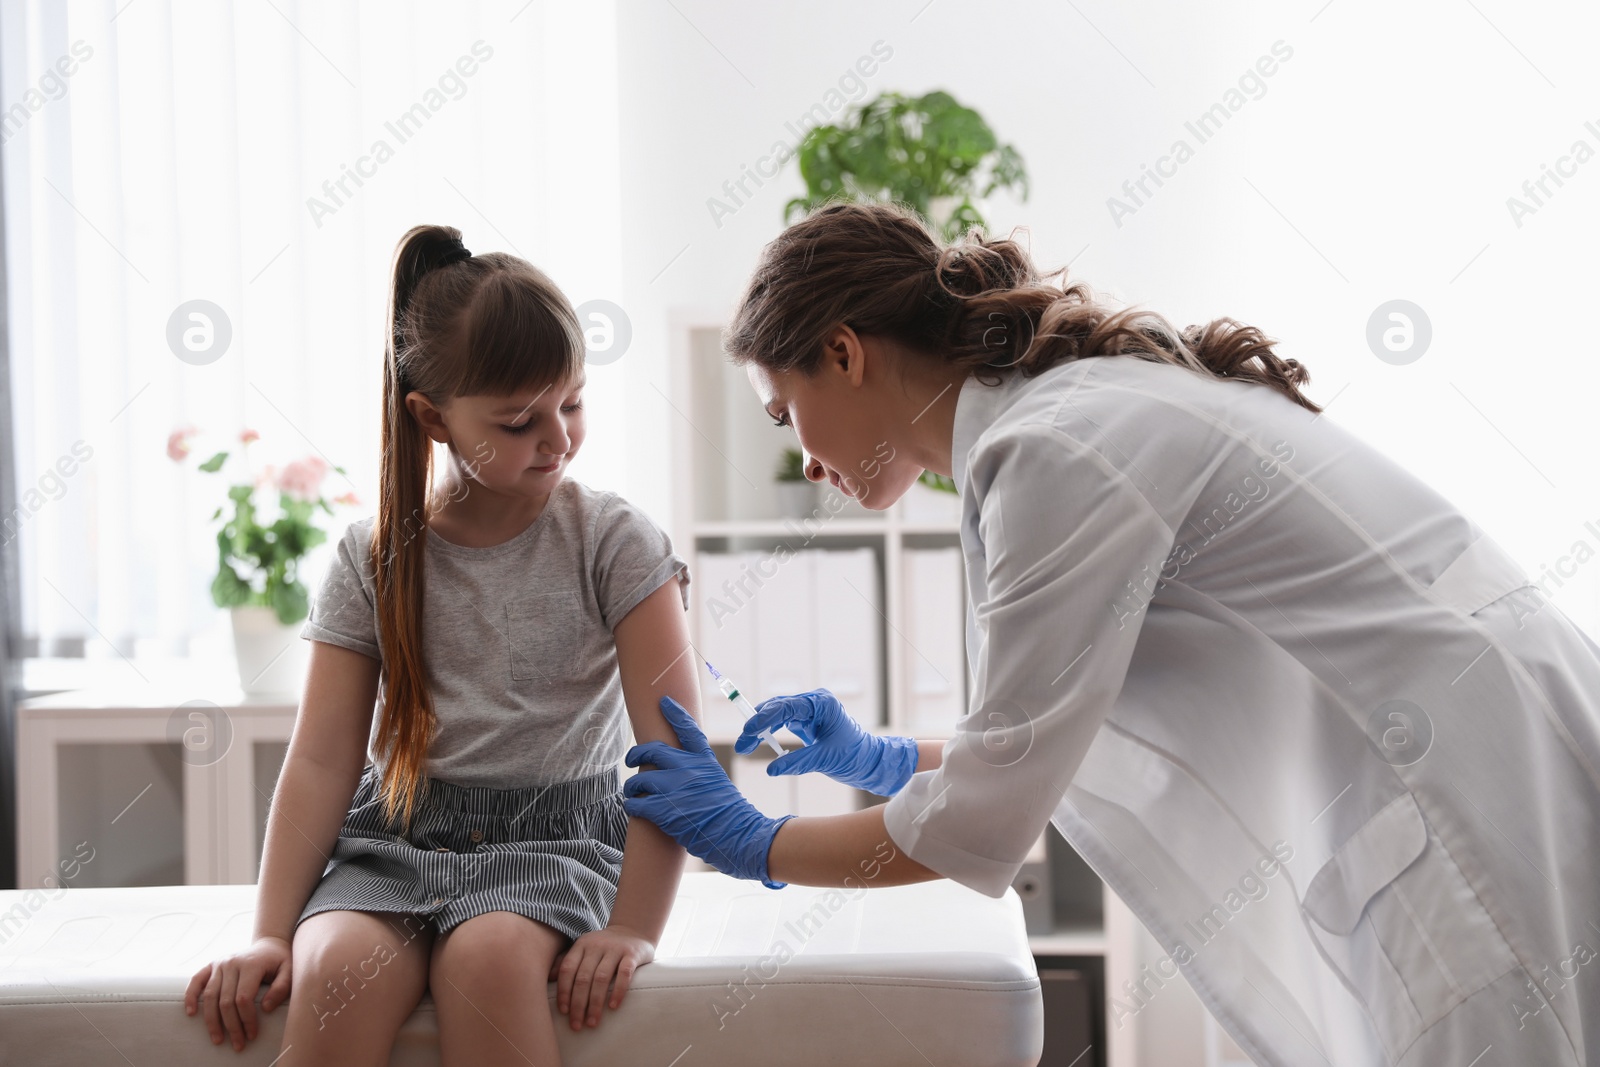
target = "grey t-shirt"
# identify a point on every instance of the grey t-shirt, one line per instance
(516, 638)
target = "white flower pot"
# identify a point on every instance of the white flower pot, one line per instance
(271, 656)
(796, 500)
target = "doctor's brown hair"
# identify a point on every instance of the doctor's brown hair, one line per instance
(487, 325)
(978, 303)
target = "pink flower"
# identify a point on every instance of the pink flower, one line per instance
(178, 443)
(249, 435)
(348, 500)
(302, 478)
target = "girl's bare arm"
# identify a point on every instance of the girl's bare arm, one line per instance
(655, 660)
(326, 754)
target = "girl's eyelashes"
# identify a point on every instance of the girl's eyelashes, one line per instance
(782, 420)
(525, 427)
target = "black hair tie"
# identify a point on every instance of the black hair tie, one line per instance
(454, 253)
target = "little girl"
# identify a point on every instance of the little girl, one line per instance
(467, 835)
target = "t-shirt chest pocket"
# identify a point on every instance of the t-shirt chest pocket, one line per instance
(540, 633)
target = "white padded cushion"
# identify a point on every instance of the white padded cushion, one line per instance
(899, 975)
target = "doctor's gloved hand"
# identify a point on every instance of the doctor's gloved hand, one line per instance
(690, 796)
(836, 745)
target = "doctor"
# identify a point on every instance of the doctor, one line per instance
(1321, 734)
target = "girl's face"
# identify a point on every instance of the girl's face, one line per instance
(519, 445)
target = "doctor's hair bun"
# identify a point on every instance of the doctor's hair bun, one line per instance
(978, 264)
(978, 302)
(1012, 318)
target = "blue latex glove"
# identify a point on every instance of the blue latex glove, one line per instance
(836, 745)
(690, 796)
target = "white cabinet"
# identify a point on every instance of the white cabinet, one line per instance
(171, 787)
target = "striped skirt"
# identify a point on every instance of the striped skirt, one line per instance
(551, 853)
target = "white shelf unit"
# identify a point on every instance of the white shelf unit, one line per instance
(160, 795)
(724, 450)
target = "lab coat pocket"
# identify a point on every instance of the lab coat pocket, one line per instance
(1402, 925)
(538, 633)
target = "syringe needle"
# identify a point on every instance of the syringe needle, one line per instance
(731, 691)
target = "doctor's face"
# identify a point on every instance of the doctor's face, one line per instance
(846, 420)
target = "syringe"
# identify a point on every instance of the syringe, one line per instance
(731, 691)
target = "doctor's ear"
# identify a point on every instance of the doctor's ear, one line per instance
(844, 351)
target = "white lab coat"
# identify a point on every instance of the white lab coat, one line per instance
(1211, 632)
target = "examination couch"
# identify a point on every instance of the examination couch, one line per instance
(929, 973)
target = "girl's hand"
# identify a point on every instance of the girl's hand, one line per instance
(227, 989)
(584, 970)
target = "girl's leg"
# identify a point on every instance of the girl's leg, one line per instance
(490, 983)
(357, 977)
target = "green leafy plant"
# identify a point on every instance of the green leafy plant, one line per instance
(939, 482)
(919, 151)
(259, 556)
(791, 467)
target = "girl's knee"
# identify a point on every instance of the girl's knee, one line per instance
(332, 930)
(498, 950)
(337, 955)
(357, 976)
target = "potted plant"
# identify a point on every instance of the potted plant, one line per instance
(797, 494)
(933, 155)
(929, 152)
(259, 556)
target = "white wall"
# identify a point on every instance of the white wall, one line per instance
(1376, 164)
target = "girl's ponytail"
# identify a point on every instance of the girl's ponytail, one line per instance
(398, 533)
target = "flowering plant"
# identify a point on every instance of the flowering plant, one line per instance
(259, 563)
